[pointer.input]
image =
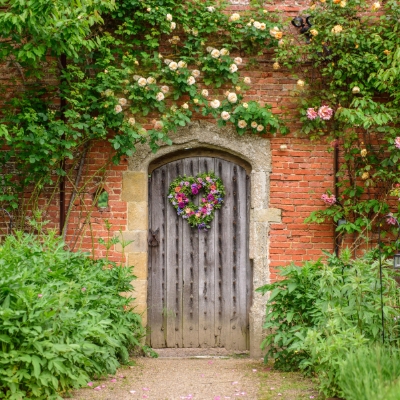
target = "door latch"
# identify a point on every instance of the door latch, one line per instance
(154, 237)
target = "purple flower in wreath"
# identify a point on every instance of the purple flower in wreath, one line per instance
(170, 196)
(202, 226)
(199, 180)
(181, 204)
(210, 197)
(220, 200)
(195, 189)
(179, 211)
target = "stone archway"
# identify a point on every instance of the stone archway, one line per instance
(255, 151)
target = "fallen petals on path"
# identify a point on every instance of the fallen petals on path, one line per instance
(90, 384)
(145, 389)
(217, 398)
(97, 388)
(254, 370)
(235, 383)
(113, 380)
(279, 394)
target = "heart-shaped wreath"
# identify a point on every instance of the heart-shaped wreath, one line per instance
(183, 187)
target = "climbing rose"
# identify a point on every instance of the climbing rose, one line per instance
(204, 92)
(260, 128)
(263, 27)
(169, 17)
(256, 25)
(224, 52)
(215, 53)
(254, 124)
(391, 220)
(122, 101)
(173, 66)
(182, 64)
(328, 199)
(397, 142)
(160, 96)
(237, 60)
(165, 89)
(234, 17)
(190, 81)
(242, 124)
(247, 80)
(151, 80)
(118, 108)
(173, 25)
(225, 115)
(325, 113)
(337, 29)
(376, 6)
(215, 103)
(311, 113)
(210, 9)
(131, 121)
(233, 68)
(232, 98)
(142, 82)
(196, 73)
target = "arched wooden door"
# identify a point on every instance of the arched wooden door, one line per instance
(199, 282)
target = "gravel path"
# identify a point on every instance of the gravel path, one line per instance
(171, 377)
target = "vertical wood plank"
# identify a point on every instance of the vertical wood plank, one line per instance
(240, 254)
(225, 254)
(157, 267)
(206, 275)
(173, 251)
(190, 266)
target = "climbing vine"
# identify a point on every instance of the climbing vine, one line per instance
(348, 67)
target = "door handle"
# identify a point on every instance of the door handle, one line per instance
(154, 237)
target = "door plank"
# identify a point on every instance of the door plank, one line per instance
(157, 267)
(206, 275)
(190, 266)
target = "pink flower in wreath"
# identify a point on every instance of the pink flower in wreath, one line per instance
(188, 210)
(325, 113)
(204, 209)
(208, 178)
(397, 142)
(311, 113)
(198, 215)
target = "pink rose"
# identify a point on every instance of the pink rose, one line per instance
(311, 113)
(325, 113)
(397, 142)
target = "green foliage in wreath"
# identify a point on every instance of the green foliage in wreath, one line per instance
(184, 187)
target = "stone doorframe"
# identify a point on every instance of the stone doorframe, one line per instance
(252, 149)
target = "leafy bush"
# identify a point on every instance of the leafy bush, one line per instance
(318, 315)
(290, 313)
(371, 374)
(62, 318)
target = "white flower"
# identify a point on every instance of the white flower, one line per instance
(136, 77)
(204, 92)
(165, 89)
(151, 80)
(337, 29)
(196, 73)
(173, 25)
(158, 125)
(190, 81)
(142, 82)
(122, 101)
(343, 3)
(247, 80)
(215, 103)
(225, 115)
(355, 90)
(242, 124)
(263, 27)
(234, 17)
(131, 121)
(173, 66)
(148, 9)
(233, 68)
(209, 49)
(185, 106)
(210, 9)
(273, 31)
(160, 96)
(169, 17)
(195, 101)
(106, 71)
(108, 92)
(118, 108)
(215, 53)
(254, 124)
(245, 105)
(260, 128)
(167, 61)
(256, 25)
(276, 65)
(232, 98)
(224, 52)
(195, 32)
(237, 60)
(376, 6)
(300, 83)
(182, 64)
(281, 43)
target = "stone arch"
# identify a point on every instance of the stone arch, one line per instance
(251, 149)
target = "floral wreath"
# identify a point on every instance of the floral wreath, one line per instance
(184, 187)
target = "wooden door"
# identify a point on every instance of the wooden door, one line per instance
(199, 281)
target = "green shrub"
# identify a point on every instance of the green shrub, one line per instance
(62, 318)
(317, 316)
(371, 374)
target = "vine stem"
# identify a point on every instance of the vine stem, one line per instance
(75, 191)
